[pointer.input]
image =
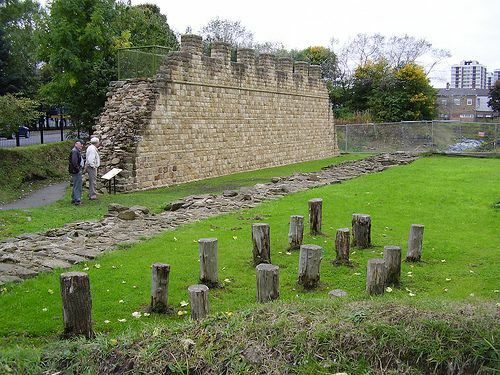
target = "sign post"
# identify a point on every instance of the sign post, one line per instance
(111, 175)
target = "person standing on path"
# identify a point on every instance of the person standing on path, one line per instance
(93, 161)
(75, 169)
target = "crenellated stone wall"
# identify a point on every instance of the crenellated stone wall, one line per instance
(208, 116)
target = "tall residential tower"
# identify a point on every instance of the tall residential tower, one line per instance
(468, 74)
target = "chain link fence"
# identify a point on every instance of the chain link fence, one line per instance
(140, 62)
(421, 136)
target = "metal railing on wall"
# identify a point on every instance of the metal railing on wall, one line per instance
(420, 136)
(140, 62)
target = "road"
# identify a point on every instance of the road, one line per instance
(49, 136)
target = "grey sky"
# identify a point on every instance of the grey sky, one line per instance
(468, 29)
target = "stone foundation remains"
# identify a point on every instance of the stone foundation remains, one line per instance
(208, 116)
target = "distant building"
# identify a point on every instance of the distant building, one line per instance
(468, 75)
(491, 78)
(463, 104)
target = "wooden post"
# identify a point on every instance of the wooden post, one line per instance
(375, 276)
(267, 282)
(342, 246)
(361, 231)
(198, 298)
(76, 304)
(261, 243)
(309, 263)
(392, 258)
(296, 232)
(159, 287)
(208, 261)
(415, 243)
(315, 213)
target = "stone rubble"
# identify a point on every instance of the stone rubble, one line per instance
(27, 255)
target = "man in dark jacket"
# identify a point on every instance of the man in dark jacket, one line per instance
(75, 169)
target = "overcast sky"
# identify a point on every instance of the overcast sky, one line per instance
(470, 30)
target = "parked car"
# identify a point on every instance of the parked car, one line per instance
(24, 131)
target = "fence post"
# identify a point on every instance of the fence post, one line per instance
(346, 127)
(432, 136)
(495, 138)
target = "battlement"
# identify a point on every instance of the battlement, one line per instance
(204, 116)
(249, 71)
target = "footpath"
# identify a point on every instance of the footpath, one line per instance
(27, 255)
(38, 198)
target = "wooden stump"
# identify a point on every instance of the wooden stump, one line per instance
(159, 287)
(309, 264)
(361, 231)
(208, 261)
(375, 276)
(296, 232)
(315, 213)
(261, 243)
(76, 304)
(267, 282)
(342, 246)
(392, 258)
(415, 243)
(198, 298)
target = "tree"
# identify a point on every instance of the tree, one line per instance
(79, 46)
(232, 32)
(19, 20)
(494, 101)
(144, 25)
(322, 56)
(16, 111)
(393, 94)
(396, 50)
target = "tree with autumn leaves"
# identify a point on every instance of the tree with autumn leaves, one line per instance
(393, 94)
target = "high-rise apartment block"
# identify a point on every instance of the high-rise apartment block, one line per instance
(491, 78)
(468, 74)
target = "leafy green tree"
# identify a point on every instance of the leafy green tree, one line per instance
(80, 45)
(144, 25)
(19, 20)
(4, 60)
(494, 101)
(16, 111)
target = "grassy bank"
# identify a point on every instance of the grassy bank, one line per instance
(453, 197)
(14, 222)
(23, 169)
(313, 337)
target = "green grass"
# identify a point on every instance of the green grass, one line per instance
(14, 222)
(23, 169)
(453, 197)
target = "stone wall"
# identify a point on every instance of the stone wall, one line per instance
(208, 116)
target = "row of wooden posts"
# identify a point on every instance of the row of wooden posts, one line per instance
(75, 286)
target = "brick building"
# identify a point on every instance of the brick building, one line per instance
(463, 104)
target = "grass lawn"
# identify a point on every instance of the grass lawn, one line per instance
(453, 197)
(15, 222)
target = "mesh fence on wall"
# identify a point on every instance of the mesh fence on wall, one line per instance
(435, 136)
(140, 62)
